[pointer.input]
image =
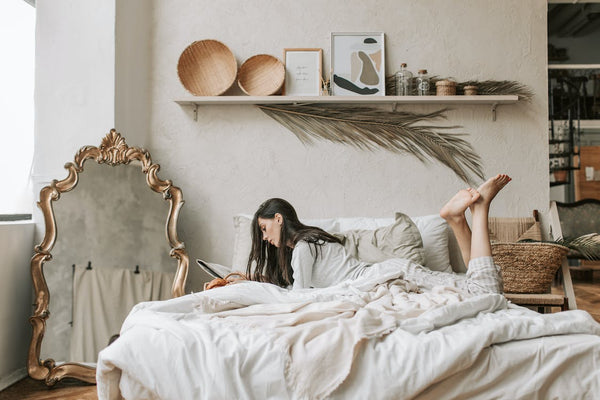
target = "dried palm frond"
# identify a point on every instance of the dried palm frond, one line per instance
(498, 88)
(586, 246)
(487, 87)
(371, 128)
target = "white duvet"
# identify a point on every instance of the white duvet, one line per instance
(382, 338)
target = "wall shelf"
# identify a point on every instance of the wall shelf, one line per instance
(573, 66)
(494, 101)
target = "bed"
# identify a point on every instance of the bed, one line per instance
(386, 337)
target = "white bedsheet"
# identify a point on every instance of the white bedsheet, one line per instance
(360, 340)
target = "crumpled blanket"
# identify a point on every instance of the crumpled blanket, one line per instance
(320, 330)
(315, 333)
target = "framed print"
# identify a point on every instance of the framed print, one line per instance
(357, 64)
(302, 72)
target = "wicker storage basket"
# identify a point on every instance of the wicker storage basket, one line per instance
(207, 68)
(470, 90)
(261, 75)
(445, 87)
(528, 267)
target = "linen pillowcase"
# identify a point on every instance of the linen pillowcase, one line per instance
(434, 233)
(401, 239)
(365, 223)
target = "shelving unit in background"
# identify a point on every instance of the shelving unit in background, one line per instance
(569, 103)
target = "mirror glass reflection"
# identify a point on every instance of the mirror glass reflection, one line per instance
(113, 223)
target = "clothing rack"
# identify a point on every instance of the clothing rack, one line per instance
(89, 267)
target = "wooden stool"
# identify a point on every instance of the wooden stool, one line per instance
(541, 301)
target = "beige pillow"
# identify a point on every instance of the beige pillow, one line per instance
(398, 240)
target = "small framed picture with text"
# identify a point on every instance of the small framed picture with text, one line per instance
(303, 74)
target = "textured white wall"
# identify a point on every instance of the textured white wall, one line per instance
(16, 244)
(234, 157)
(74, 80)
(132, 85)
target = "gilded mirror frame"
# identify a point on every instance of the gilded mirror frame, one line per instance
(112, 151)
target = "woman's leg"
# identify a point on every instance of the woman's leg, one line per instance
(483, 276)
(480, 237)
(473, 242)
(454, 213)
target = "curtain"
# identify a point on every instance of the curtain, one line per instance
(102, 298)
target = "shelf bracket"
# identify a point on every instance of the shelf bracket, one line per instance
(494, 106)
(196, 112)
(394, 105)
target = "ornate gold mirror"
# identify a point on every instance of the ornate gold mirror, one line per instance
(112, 229)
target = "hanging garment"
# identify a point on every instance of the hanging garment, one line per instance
(102, 298)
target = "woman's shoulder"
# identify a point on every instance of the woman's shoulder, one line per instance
(301, 245)
(307, 243)
(307, 246)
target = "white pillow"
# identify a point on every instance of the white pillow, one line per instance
(433, 229)
(434, 232)
(242, 240)
(362, 223)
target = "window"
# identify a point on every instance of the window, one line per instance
(17, 42)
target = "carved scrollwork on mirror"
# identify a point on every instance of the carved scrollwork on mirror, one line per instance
(113, 151)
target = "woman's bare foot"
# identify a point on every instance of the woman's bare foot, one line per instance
(458, 204)
(490, 188)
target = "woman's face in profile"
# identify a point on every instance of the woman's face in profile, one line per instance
(271, 229)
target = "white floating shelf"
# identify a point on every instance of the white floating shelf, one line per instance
(573, 66)
(583, 123)
(494, 101)
(482, 99)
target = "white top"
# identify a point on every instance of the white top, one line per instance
(332, 265)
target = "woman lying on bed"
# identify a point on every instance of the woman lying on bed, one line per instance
(378, 337)
(311, 257)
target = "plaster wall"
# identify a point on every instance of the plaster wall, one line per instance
(119, 70)
(133, 81)
(74, 81)
(234, 157)
(16, 244)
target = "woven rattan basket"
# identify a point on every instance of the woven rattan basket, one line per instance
(261, 75)
(445, 87)
(528, 267)
(470, 90)
(207, 68)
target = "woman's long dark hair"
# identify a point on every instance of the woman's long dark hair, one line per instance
(268, 263)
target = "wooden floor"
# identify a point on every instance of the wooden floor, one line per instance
(29, 389)
(587, 293)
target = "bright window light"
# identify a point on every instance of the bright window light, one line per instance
(17, 41)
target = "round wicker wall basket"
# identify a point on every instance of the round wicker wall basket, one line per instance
(261, 75)
(207, 68)
(528, 267)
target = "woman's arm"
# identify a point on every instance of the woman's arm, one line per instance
(303, 259)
